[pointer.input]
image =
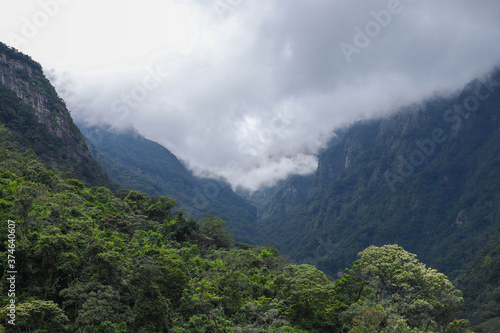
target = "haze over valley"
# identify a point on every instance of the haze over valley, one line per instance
(250, 166)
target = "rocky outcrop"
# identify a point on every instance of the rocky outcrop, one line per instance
(30, 84)
(425, 178)
(25, 77)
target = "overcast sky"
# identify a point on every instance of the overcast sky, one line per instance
(250, 90)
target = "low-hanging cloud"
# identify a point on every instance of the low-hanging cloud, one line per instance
(254, 90)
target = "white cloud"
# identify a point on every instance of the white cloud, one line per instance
(252, 90)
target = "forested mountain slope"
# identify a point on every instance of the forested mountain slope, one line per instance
(137, 163)
(39, 119)
(87, 260)
(427, 178)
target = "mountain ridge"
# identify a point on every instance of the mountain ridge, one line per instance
(134, 162)
(427, 179)
(34, 111)
(92, 250)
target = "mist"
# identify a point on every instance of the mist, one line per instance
(252, 90)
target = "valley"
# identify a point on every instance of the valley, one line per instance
(116, 234)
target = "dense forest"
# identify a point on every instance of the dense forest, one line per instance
(426, 178)
(38, 118)
(82, 255)
(134, 162)
(90, 260)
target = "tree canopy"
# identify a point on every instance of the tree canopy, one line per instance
(90, 260)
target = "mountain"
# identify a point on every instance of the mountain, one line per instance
(137, 163)
(96, 261)
(426, 178)
(39, 120)
(86, 259)
(81, 258)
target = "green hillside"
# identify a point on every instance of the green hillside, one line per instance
(38, 118)
(137, 163)
(83, 259)
(426, 179)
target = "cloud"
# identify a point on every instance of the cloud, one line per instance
(251, 90)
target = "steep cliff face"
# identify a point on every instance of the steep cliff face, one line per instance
(36, 105)
(427, 178)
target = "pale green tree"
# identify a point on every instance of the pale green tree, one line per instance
(401, 283)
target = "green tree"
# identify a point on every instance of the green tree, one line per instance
(160, 210)
(182, 229)
(212, 231)
(40, 316)
(426, 298)
(57, 259)
(310, 297)
(101, 310)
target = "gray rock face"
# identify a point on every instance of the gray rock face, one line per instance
(25, 77)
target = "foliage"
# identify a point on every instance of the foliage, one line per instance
(398, 281)
(479, 280)
(96, 261)
(49, 130)
(136, 163)
(444, 208)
